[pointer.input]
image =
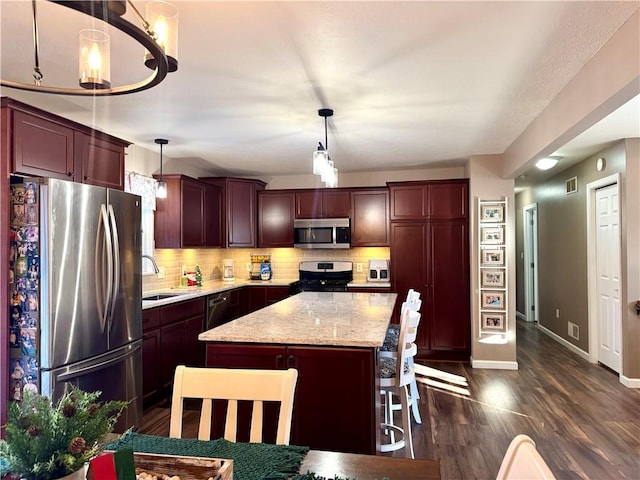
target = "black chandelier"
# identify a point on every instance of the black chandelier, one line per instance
(158, 36)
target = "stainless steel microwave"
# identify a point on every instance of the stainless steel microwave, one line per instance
(322, 233)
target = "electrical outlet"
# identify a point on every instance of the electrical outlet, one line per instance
(359, 267)
(160, 272)
(557, 313)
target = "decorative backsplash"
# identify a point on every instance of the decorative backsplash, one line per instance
(284, 262)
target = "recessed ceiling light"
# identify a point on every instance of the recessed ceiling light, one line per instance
(546, 163)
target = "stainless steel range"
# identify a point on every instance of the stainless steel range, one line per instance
(323, 276)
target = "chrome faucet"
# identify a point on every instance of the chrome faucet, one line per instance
(155, 265)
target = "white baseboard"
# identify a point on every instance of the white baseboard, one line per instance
(521, 316)
(630, 382)
(569, 345)
(493, 364)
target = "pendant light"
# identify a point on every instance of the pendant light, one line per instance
(161, 188)
(158, 34)
(322, 163)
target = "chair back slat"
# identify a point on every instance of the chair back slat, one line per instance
(233, 385)
(406, 346)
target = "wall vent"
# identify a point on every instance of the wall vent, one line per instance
(571, 185)
(573, 331)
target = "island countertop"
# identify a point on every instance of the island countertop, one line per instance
(349, 319)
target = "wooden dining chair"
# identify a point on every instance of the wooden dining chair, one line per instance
(234, 385)
(523, 462)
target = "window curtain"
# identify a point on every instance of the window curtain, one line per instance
(143, 186)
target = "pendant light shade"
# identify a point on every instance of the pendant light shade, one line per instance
(163, 19)
(161, 188)
(320, 160)
(94, 66)
(322, 163)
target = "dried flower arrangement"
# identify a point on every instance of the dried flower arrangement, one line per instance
(44, 440)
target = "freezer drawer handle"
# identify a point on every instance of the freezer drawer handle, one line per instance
(65, 377)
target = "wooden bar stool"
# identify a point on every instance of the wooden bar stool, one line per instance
(396, 375)
(390, 344)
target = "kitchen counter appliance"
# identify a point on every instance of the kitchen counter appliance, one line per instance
(217, 308)
(378, 271)
(322, 233)
(323, 276)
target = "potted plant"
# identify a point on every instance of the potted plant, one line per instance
(45, 441)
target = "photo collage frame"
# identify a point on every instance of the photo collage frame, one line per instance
(24, 288)
(492, 266)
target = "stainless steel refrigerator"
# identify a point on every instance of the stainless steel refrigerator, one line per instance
(90, 293)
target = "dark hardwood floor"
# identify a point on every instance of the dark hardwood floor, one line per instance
(584, 422)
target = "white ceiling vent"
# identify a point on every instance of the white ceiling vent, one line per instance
(572, 185)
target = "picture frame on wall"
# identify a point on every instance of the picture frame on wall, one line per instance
(492, 299)
(493, 322)
(492, 212)
(490, 256)
(492, 278)
(491, 235)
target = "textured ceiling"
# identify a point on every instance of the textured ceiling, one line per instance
(412, 83)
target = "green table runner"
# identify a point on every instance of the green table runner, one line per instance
(251, 461)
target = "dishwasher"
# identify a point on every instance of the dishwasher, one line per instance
(217, 307)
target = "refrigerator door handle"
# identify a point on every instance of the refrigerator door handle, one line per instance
(109, 249)
(116, 263)
(83, 370)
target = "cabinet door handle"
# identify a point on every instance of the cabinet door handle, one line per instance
(291, 361)
(279, 359)
(71, 174)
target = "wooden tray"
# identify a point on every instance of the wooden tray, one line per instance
(187, 468)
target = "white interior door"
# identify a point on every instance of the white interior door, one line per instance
(608, 274)
(530, 219)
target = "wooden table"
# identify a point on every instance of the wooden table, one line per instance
(369, 467)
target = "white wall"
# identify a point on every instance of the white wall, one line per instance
(485, 183)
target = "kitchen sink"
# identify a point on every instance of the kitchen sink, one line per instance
(160, 296)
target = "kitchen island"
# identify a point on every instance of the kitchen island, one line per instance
(332, 339)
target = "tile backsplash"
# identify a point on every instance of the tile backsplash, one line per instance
(284, 262)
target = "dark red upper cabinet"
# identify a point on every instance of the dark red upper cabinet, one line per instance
(275, 218)
(429, 200)
(42, 148)
(102, 161)
(448, 200)
(370, 217)
(239, 210)
(189, 216)
(322, 203)
(408, 201)
(46, 145)
(336, 203)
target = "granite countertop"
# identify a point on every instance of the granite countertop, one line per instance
(180, 294)
(348, 319)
